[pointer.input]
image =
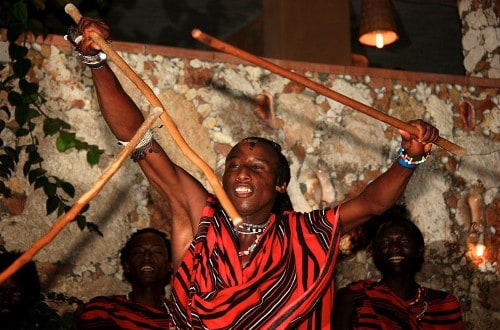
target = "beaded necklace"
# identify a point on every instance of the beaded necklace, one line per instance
(250, 249)
(245, 228)
(420, 295)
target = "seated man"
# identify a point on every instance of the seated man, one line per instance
(397, 301)
(21, 305)
(146, 264)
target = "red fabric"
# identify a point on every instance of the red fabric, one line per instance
(376, 306)
(116, 312)
(288, 282)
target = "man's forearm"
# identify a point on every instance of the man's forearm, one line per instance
(118, 109)
(384, 191)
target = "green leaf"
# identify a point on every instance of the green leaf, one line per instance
(33, 113)
(31, 148)
(4, 190)
(80, 145)
(62, 209)
(40, 182)
(22, 132)
(19, 11)
(16, 51)
(35, 157)
(7, 162)
(34, 174)
(52, 204)
(94, 155)
(27, 87)
(30, 92)
(50, 189)
(21, 67)
(81, 221)
(6, 110)
(53, 125)
(13, 153)
(85, 208)
(94, 228)
(4, 173)
(15, 98)
(68, 188)
(65, 141)
(27, 167)
(21, 114)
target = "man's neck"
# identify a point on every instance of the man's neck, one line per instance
(403, 285)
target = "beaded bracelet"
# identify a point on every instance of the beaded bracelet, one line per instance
(93, 61)
(410, 162)
(145, 145)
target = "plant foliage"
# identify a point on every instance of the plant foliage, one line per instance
(25, 111)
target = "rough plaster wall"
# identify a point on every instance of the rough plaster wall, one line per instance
(481, 37)
(333, 150)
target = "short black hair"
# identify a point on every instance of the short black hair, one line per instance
(26, 276)
(125, 252)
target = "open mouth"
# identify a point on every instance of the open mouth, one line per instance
(397, 259)
(243, 190)
(147, 268)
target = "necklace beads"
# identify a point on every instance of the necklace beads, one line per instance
(250, 249)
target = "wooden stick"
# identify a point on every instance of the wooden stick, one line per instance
(227, 48)
(84, 199)
(167, 120)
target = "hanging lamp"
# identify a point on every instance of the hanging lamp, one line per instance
(377, 23)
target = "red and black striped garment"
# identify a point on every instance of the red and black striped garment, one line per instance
(116, 312)
(376, 306)
(288, 282)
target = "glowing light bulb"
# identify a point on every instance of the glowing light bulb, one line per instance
(480, 249)
(379, 40)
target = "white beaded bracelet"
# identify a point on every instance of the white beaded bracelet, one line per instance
(93, 61)
(142, 147)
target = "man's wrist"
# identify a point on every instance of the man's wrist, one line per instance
(410, 162)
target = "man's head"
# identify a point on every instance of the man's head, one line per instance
(283, 171)
(398, 246)
(20, 292)
(146, 258)
(257, 175)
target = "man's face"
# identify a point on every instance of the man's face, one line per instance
(250, 177)
(148, 262)
(397, 250)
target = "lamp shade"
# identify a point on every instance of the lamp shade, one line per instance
(377, 24)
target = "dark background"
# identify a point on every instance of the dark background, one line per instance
(430, 30)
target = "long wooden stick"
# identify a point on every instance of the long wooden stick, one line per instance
(167, 120)
(227, 48)
(83, 200)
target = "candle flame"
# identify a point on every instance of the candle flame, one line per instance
(379, 40)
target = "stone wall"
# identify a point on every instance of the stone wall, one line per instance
(481, 37)
(334, 151)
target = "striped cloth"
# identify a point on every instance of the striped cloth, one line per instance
(288, 282)
(116, 312)
(376, 306)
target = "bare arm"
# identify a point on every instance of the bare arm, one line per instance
(184, 193)
(384, 191)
